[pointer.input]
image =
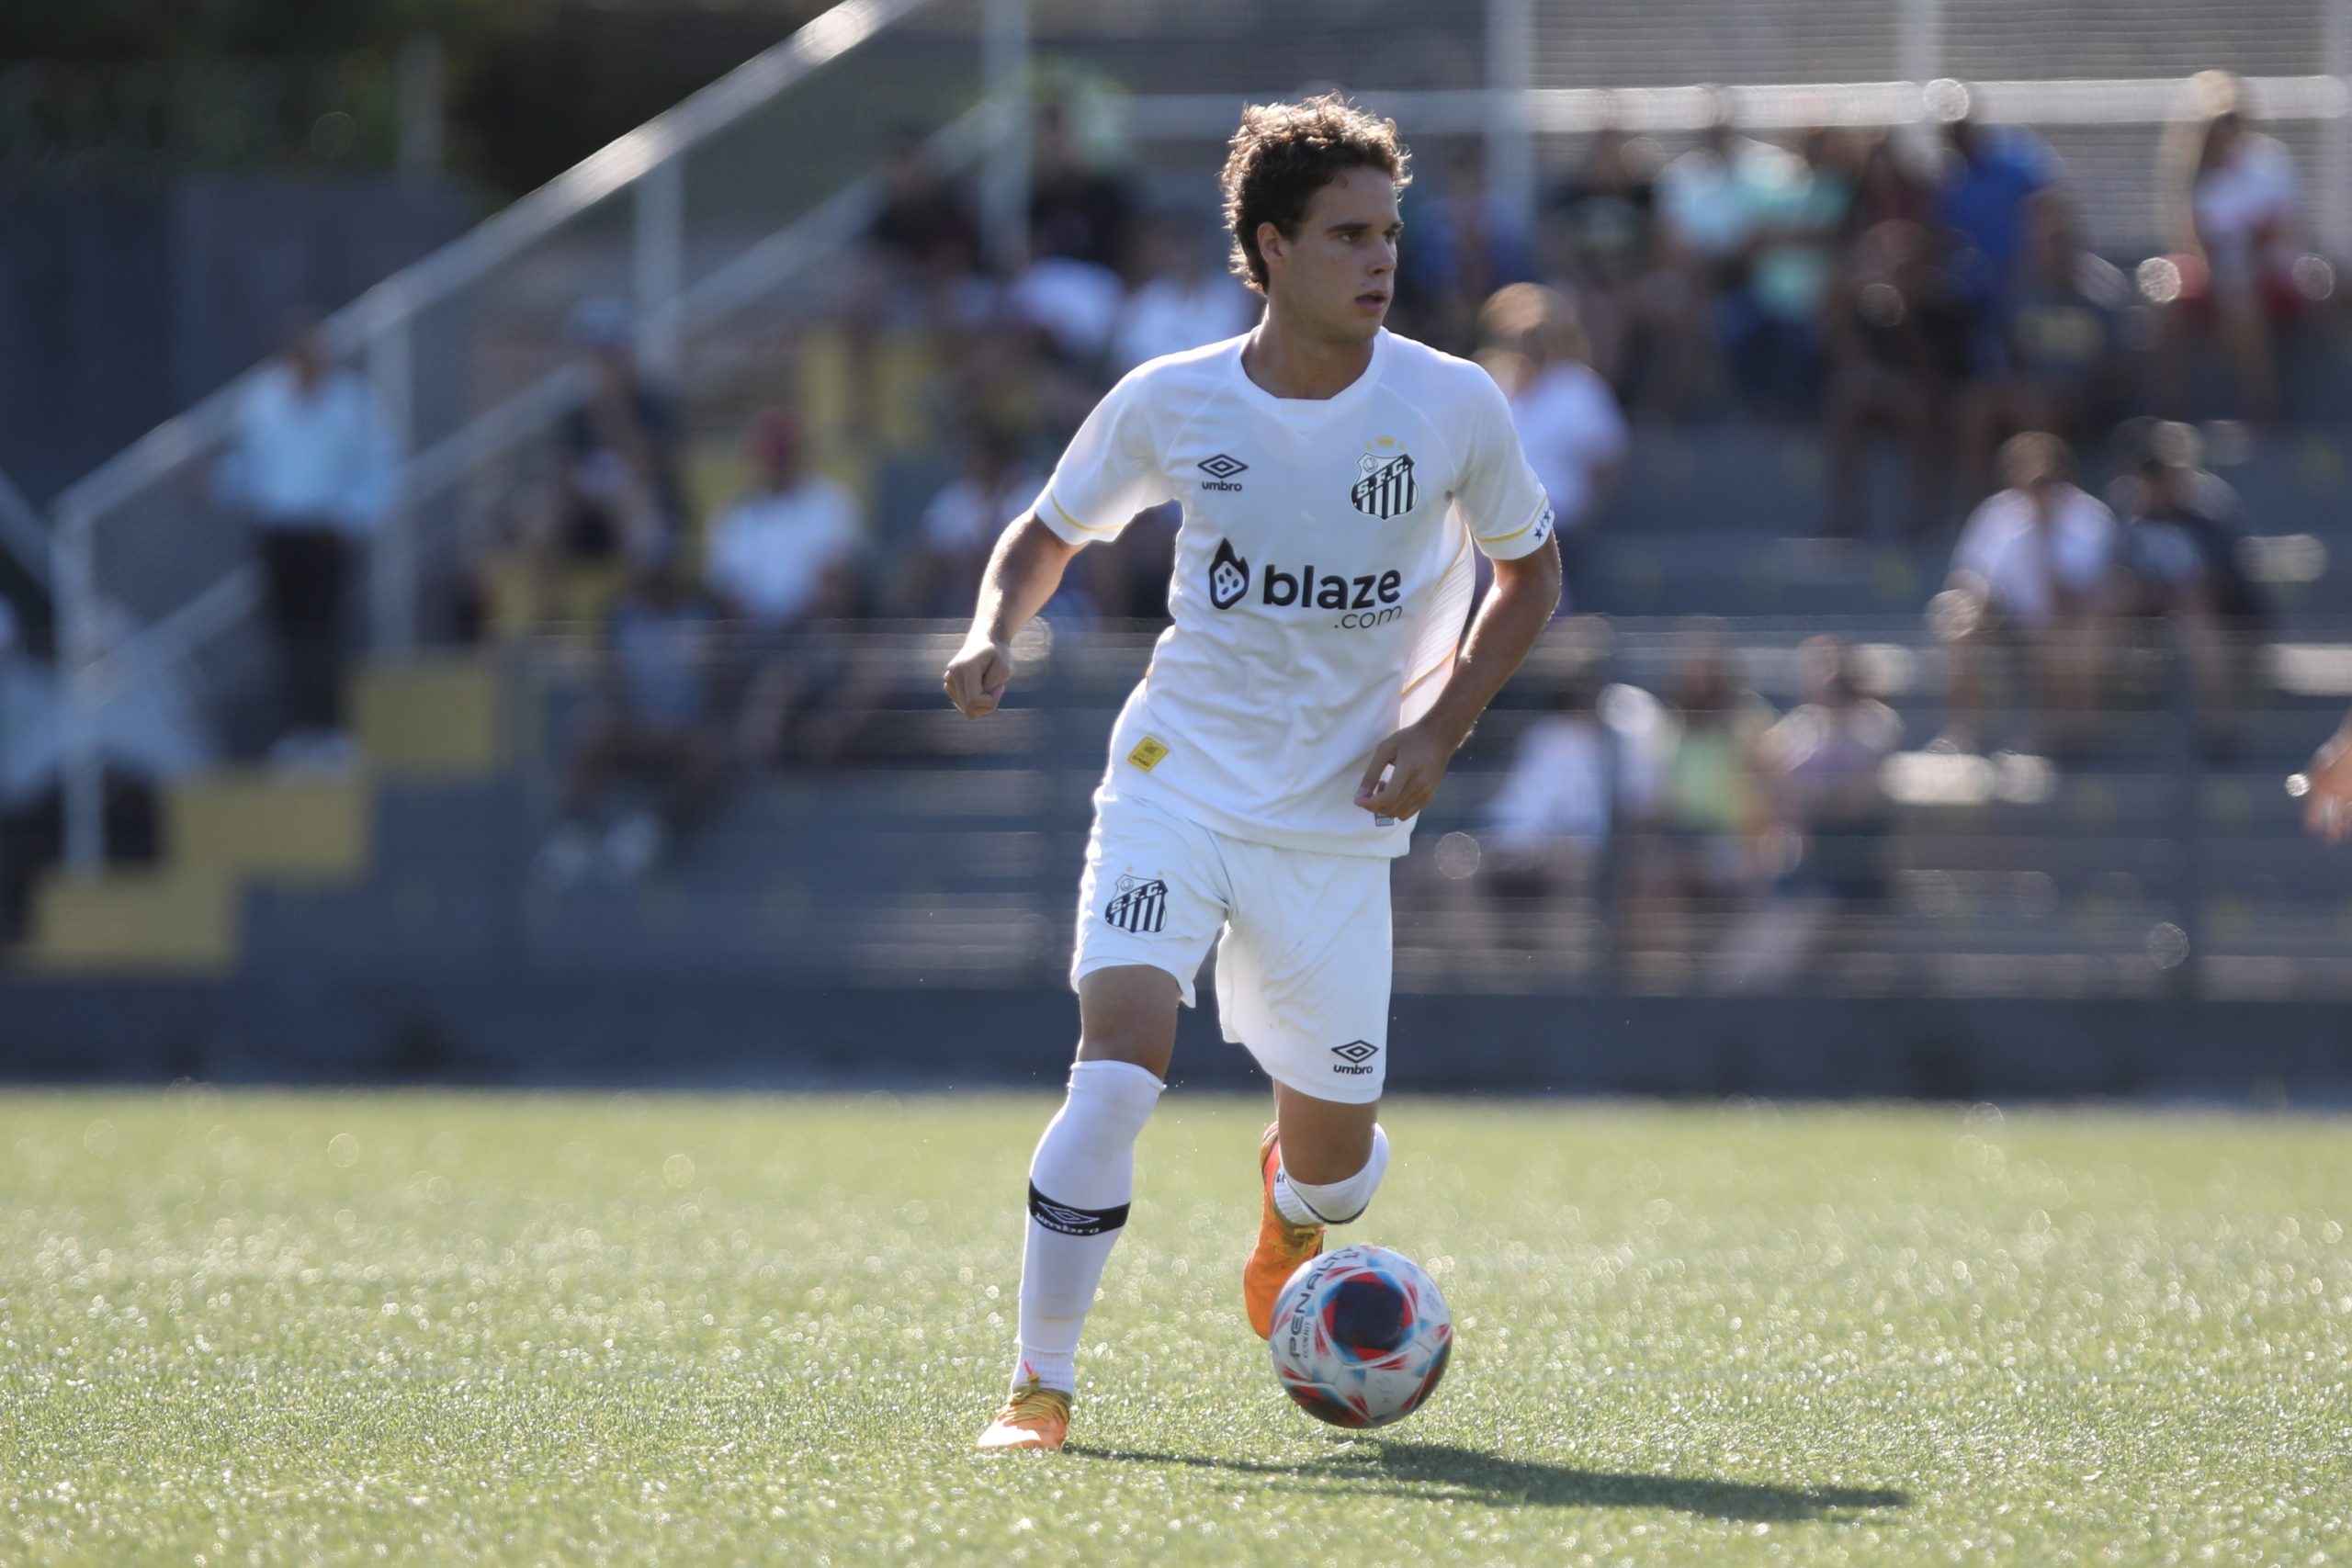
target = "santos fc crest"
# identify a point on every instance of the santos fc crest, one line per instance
(1386, 488)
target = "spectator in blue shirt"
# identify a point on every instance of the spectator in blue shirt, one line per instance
(1992, 173)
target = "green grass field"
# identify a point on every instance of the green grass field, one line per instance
(241, 1329)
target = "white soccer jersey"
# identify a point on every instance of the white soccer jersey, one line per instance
(1322, 579)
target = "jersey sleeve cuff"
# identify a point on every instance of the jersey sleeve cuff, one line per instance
(1525, 539)
(1068, 529)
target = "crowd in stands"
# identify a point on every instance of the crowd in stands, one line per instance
(1930, 286)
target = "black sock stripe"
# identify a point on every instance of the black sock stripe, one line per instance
(1068, 1219)
(1320, 1214)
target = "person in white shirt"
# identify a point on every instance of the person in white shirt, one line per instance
(788, 552)
(2236, 208)
(960, 525)
(1184, 303)
(2036, 568)
(1567, 419)
(789, 549)
(1299, 711)
(1580, 772)
(309, 466)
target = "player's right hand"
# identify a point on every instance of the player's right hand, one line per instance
(977, 676)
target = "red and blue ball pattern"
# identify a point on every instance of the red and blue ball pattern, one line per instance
(1360, 1337)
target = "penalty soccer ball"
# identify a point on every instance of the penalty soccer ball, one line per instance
(1360, 1337)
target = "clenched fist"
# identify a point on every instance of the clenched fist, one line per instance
(977, 676)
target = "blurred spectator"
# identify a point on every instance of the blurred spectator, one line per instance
(1576, 771)
(1714, 814)
(1074, 304)
(309, 466)
(1769, 320)
(2182, 531)
(922, 261)
(1823, 759)
(1568, 422)
(2237, 218)
(1077, 212)
(1461, 244)
(659, 718)
(149, 731)
(1990, 174)
(1709, 198)
(2036, 570)
(1600, 242)
(617, 493)
(1711, 204)
(1887, 189)
(784, 555)
(2057, 352)
(925, 223)
(1898, 351)
(1187, 297)
(960, 527)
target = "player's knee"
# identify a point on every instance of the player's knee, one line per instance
(1340, 1203)
(1128, 1014)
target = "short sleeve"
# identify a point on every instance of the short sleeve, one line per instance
(1501, 499)
(1108, 473)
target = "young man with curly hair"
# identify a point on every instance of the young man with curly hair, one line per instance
(1298, 712)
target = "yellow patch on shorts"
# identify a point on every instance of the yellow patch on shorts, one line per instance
(1147, 753)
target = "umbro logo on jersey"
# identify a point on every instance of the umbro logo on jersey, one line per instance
(1353, 1056)
(1140, 905)
(1386, 489)
(1220, 470)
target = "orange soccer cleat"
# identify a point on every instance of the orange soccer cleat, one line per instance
(1281, 1247)
(1035, 1417)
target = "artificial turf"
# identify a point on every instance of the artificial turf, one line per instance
(261, 1328)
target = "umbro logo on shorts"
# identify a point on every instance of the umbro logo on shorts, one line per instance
(1354, 1054)
(1386, 489)
(1139, 905)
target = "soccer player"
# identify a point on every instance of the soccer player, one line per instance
(1298, 712)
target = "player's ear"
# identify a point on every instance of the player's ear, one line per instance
(1271, 242)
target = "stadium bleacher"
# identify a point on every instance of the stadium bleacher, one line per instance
(939, 853)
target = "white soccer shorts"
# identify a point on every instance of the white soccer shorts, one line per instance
(1304, 951)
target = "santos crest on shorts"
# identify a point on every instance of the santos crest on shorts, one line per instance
(1323, 574)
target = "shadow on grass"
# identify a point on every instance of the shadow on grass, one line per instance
(1435, 1469)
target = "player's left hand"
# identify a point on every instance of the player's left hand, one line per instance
(1414, 761)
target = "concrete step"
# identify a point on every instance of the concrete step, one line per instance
(176, 922)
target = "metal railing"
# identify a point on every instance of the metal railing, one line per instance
(725, 205)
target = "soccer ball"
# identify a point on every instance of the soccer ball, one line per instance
(1360, 1337)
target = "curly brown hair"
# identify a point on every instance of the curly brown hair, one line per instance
(1283, 153)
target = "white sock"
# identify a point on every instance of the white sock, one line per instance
(1333, 1202)
(1080, 1182)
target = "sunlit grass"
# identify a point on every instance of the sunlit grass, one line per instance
(247, 1328)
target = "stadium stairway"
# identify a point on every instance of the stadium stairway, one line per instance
(228, 833)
